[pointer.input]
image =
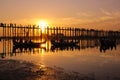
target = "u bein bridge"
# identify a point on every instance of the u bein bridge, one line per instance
(13, 31)
(87, 38)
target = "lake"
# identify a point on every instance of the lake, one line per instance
(85, 58)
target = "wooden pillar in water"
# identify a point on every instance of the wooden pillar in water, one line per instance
(24, 32)
(54, 30)
(82, 33)
(5, 31)
(34, 31)
(48, 32)
(87, 33)
(31, 33)
(70, 32)
(65, 32)
(58, 28)
(3, 25)
(15, 30)
(62, 30)
(96, 33)
(57, 33)
(75, 31)
(79, 32)
(11, 26)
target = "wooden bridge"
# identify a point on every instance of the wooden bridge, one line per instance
(87, 37)
(13, 31)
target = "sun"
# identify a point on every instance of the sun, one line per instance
(42, 24)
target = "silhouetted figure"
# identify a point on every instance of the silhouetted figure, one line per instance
(21, 41)
(2, 55)
(62, 41)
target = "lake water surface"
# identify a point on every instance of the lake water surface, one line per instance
(85, 59)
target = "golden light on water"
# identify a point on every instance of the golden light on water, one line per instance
(43, 45)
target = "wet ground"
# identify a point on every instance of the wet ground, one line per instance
(22, 70)
(83, 64)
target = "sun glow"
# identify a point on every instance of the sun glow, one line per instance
(42, 25)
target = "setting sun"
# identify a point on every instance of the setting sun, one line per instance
(42, 25)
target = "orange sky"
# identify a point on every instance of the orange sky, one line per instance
(98, 14)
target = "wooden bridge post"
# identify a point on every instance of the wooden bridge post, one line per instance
(70, 32)
(34, 31)
(54, 30)
(65, 32)
(11, 26)
(5, 31)
(48, 31)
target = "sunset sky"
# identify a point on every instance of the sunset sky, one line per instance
(98, 14)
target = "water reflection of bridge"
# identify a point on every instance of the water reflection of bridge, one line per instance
(88, 38)
(10, 50)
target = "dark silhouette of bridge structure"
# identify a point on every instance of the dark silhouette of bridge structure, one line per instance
(13, 31)
(88, 38)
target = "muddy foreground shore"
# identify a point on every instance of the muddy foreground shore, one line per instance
(22, 70)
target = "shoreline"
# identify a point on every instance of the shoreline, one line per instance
(22, 70)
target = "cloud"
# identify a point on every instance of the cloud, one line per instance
(67, 19)
(105, 12)
(84, 14)
(104, 18)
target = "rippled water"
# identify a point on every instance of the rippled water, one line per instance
(85, 59)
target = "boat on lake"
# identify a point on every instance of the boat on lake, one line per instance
(64, 43)
(106, 44)
(26, 43)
